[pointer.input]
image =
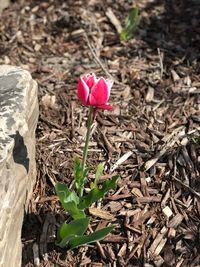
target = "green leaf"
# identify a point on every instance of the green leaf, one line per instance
(97, 193)
(69, 201)
(99, 172)
(75, 227)
(131, 23)
(96, 236)
(68, 231)
(74, 211)
(65, 195)
(78, 171)
(65, 241)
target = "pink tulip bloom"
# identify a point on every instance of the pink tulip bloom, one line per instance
(93, 91)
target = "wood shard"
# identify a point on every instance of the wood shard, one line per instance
(122, 250)
(36, 257)
(101, 214)
(115, 239)
(160, 246)
(158, 243)
(121, 160)
(114, 20)
(130, 213)
(175, 221)
(172, 233)
(150, 94)
(136, 192)
(167, 211)
(148, 199)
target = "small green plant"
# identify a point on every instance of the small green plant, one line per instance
(195, 139)
(93, 92)
(131, 23)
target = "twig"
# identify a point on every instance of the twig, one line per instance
(161, 62)
(187, 187)
(98, 61)
(93, 51)
(107, 143)
(170, 140)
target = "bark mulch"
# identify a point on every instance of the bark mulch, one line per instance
(151, 139)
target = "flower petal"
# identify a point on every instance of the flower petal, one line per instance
(106, 106)
(92, 101)
(90, 79)
(100, 93)
(83, 91)
(109, 83)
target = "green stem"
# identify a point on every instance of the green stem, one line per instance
(89, 124)
(85, 151)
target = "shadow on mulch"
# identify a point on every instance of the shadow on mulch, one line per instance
(32, 226)
(41, 230)
(175, 30)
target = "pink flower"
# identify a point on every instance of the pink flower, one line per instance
(93, 91)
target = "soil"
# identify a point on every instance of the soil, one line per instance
(152, 134)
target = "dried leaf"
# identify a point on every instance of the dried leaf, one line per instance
(101, 214)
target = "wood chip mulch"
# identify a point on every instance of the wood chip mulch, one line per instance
(151, 139)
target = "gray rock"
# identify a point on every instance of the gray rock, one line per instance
(18, 119)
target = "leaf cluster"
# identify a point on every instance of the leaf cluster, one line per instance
(131, 23)
(76, 202)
